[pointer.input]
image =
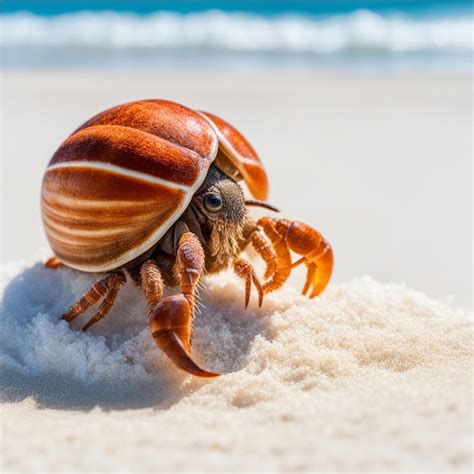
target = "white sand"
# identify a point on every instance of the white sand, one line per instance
(369, 377)
(372, 376)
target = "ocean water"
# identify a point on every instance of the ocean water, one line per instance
(420, 36)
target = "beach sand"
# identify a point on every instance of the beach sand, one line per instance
(371, 376)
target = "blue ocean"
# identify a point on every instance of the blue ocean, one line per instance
(282, 35)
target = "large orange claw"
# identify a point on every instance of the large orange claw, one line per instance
(301, 238)
(170, 325)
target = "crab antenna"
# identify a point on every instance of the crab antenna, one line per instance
(265, 205)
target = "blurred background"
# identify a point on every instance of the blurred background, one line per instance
(278, 35)
(360, 110)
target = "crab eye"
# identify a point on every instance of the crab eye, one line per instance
(213, 202)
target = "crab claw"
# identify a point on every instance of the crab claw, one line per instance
(316, 253)
(319, 273)
(170, 325)
(301, 238)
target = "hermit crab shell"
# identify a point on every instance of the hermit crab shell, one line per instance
(122, 179)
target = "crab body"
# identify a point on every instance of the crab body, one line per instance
(150, 189)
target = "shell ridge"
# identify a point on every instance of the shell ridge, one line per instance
(226, 144)
(119, 170)
(92, 122)
(154, 238)
(251, 169)
(230, 152)
(153, 136)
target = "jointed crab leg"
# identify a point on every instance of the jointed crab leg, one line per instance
(245, 270)
(282, 257)
(301, 238)
(264, 248)
(108, 302)
(152, 282)
(171, 318)
(53, 262)
(108, 287)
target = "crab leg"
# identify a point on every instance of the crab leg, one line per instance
(299, 237)
(99, 290)
(53, 263)
(245, 270)
(264, 248)
(282, 256)
(171, 318)
(108, 302)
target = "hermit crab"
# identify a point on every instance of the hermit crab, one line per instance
(149, 190)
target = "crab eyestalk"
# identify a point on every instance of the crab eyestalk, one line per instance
(262, 204)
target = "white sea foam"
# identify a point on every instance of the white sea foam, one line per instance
(358, 31)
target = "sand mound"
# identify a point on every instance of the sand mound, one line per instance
(369, 376)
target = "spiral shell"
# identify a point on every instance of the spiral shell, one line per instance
(121, 180)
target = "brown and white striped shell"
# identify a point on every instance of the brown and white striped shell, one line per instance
(122, 179)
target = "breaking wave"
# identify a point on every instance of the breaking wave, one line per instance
(359, 31)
